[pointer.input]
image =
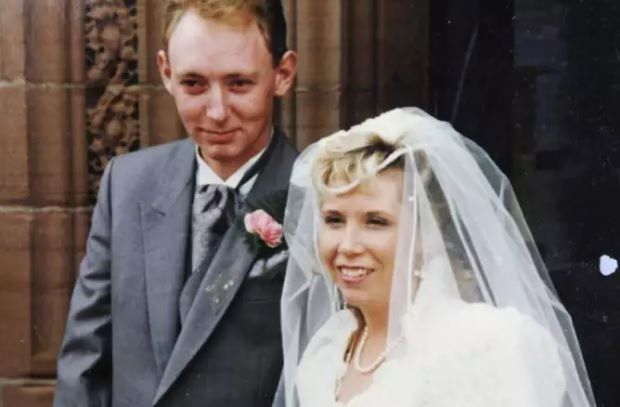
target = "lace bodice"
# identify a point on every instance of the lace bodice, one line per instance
(458, 355)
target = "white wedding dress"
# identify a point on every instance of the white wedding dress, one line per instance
(458, 355)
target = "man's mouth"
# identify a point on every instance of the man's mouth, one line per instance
(219, 132)
(217, 136)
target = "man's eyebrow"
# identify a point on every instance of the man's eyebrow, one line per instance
(246, 74)
(234, 75)
(190, 74)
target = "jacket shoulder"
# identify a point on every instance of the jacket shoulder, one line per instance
(144, 172)
(152, 157)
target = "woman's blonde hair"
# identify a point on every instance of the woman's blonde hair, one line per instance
(355, 165)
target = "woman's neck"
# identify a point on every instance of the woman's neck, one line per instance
(376, 320)
(367, 350)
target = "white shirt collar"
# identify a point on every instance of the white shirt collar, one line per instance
(205, 174)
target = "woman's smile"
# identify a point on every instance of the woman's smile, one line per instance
(353, 274)
(358, 238)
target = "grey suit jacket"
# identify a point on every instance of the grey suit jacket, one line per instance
(123, 344)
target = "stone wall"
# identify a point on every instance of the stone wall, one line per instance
(79, 84)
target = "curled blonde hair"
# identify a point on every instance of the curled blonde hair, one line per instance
(355, 165)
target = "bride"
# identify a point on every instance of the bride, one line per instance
(414, 281)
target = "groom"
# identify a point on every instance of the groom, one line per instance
(176, 303)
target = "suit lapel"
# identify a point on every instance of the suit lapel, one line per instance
(166, 217)
(228, 268)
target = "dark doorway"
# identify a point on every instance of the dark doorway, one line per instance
(537, 84)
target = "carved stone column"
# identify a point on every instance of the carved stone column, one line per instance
(43, 188)
(77, 86)
(357, 59)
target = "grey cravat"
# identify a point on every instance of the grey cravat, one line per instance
(212, 214)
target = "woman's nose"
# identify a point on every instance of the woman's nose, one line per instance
(351, 242)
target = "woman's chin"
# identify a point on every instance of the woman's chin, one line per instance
(354, 299)
(361, 299)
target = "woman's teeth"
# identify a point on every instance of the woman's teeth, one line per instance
(354, 272)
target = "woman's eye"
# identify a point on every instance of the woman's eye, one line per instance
(377, 221)
(331, 220)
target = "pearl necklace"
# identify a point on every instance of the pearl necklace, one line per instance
(377, 362)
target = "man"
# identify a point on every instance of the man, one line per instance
(174, 305)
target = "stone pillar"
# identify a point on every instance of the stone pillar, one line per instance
(43, 189)
(78, 85)
(318, 95)
(159, 122)
(402, 52)
(357, 59)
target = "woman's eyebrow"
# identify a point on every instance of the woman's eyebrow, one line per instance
(331, 212)
(381, 213)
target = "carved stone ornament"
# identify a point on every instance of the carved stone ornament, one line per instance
(112, 94)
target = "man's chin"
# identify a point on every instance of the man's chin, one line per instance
(218, 152)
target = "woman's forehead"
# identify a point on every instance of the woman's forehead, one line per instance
(382, 191)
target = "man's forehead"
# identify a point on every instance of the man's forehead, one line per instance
(197, 30)
(197, 42)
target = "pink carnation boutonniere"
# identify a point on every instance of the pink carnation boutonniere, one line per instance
(265, 233)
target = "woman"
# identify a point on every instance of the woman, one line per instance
(413, 279)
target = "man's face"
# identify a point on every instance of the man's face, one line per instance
(223, 80)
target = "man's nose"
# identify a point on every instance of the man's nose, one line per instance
(217, 104)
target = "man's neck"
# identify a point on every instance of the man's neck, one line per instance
(225, 171)
(222, 170)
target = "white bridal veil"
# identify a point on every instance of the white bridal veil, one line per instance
(458, 212)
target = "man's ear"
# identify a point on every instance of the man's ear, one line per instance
(164, 69)
(285, 73)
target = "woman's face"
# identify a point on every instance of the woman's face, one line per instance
(358, 238)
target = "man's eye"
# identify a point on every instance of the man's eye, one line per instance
(190, 83)
(240, 83)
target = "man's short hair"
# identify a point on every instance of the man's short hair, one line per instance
(268, 14)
